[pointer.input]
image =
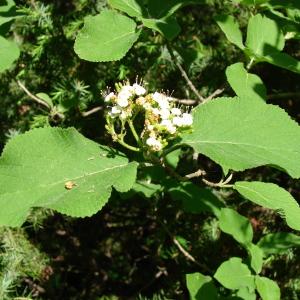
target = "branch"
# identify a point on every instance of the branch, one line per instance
(92, 111)
(33, 97)
(283, 95)
(221, 184)
(198, 173)
(184, 74)
(186, 254)
(195, 102)
(216, 93)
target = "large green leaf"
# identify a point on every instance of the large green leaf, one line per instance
(59, 169)
(236, 225)
(276, 243)
(264, 36)
(106, 37)
(239, 135)
(231, 29)
(201, 287)
(245, 85)
(267, 288)
(233, 274)
(9, 52)
(133, 8)
(271, 196)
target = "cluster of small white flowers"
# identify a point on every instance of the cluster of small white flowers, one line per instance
(163, 121)
(123, 99)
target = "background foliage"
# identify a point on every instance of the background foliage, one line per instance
(132, 249)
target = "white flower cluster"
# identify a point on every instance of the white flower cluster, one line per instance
(122, 101)
(163, 121)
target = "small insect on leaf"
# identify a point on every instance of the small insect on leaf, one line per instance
(69, 185)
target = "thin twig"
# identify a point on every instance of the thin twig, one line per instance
(33, 97)
(185, 101)
(184, 74)
(195, 102)
(198, 173)
(92, 111)
(283, 95)
(216, 93)
(221, 184)
(184, 252)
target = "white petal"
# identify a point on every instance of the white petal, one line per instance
(164, 113)
(109, 97)
(187, 119)
(123, 102)
(176, 111)
(138, 89)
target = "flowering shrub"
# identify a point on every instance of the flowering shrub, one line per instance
(170, 145)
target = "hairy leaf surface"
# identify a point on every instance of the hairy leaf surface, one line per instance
(59, 169)
(106, 37)
(239, 135)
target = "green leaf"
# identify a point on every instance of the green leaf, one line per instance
(133, 8)
(264, 36)
(239, 135)
(8, 6)
(61, 170)
(236, 225)
(9, 52)
(233, 274)
(265, 40)
(193, 198)
(106, 37)
(168, 27)
(256, 257)
(231, 29)
(271, 196)
(46, 98)
(7, 12)
(246, 294)
(244, 84)
(267, 288)
(284, 61)
(201, 287)
(173, 158)
(279, 242)
(145, 188)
